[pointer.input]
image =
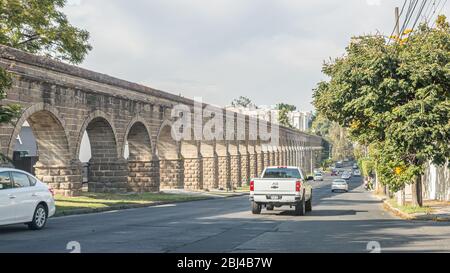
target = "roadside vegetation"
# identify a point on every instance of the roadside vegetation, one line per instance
(95, 201)
(392, 96)
(409, 208)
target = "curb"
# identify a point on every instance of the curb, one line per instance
(407, 216)
(135, 206)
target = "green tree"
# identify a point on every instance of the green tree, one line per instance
(288, 107)
(38, 27)
(242, 101)
(396, 96)
(320, 125)
(283, 114)
(336, 136)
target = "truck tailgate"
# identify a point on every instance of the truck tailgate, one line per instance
(274, 185)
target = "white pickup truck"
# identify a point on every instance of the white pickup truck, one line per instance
(279, 186)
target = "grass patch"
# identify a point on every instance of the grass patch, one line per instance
(110, 200)
(410, 209)
(243, 188)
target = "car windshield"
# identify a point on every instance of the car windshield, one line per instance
(282, 173)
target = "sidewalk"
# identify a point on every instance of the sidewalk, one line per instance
(432, 210)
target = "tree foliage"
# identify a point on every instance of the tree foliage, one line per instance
(39, 27)
(396, 96)
(287, 107)
(242, 101)
(335, 134)
(283, 113)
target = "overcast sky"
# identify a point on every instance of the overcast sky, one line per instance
(268, 50)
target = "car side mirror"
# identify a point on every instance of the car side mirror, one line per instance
(309, 178)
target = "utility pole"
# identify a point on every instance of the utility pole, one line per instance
(400, 195)
(397, 23)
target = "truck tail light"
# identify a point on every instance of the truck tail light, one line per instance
(252, 185)
(51, 191)
(298, 185)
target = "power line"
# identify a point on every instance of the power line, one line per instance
(396, 21)
(418, 14)
(443, 5)
(408, 18)
(429, 10)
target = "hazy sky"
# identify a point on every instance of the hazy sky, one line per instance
(268, 50)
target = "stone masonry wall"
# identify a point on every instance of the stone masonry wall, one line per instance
(193, 168)
(143, 176)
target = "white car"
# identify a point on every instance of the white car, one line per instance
(357, 172)
(318, 177)
(24, 199)
(346, 175)
(339, 185)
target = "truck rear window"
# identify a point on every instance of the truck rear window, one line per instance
(281, 173)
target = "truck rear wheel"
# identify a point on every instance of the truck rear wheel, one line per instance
(256, 208)
(300, 207)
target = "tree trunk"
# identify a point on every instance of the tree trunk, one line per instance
(416, 192)
(402, 197)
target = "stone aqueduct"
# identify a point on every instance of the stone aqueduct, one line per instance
(61, 102)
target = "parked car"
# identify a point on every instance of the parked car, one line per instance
(318, 177)
(280, 186)
(355, 166)
(357, 172)
(346, 175)
(339, 185)
(24, 199)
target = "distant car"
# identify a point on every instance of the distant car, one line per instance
(334, 172)
(346, 176)
(339, 185)
(355, 166)
(357, 172)
(318, 177)
(24, 199)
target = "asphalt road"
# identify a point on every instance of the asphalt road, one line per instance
(339, 222)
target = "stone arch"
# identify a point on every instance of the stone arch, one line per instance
(171, 166)
(167, 148)
(138, 136)
(143, 169)
(107, 169)
(49, 129)
(106, 132)
(235, 163)
(55, 165)
(252, 159)
(192, 161)
(245, 161)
